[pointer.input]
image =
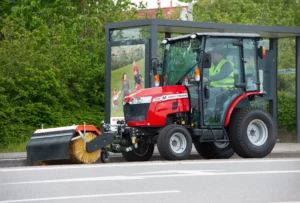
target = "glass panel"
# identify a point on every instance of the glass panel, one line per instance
(160, 54)
(220, 78)
(127, 75)
(250, 64)
(130, 33)
(180, 57)
(287, 90)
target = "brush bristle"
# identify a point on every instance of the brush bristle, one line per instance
(79, 155)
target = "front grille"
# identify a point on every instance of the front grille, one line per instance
(135, 112)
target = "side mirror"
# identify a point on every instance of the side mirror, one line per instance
(262, 52)
(155, 62)
(206, 60)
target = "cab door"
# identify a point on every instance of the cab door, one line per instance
(219, 80)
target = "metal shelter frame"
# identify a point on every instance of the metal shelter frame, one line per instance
(273, 33)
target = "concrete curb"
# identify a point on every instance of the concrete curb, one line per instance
(281, 150)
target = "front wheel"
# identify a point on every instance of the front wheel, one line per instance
(252, 132)
(214, 150)
(105, 158)
(144, 152)
(174, 142)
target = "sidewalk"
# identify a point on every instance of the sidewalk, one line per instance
(281, 150)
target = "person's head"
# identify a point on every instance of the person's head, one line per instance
(134, 62)
(124, 76)
(217, 53)
(115, 89)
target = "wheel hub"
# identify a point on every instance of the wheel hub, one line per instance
(257, 132)
(174, 143)
(142, 149)
(252, 132)
(178, 143)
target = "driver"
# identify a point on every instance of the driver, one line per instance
(220, 75)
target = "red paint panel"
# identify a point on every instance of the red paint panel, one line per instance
(159, 110)
(137, 123)
(235, 102)
(88, 128)
(157, 117)
(156, 92)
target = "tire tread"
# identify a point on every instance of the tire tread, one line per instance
(235, 129)
(163, 143)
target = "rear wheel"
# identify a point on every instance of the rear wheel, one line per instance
(174, 142)
(252, 132)
(144, 152)
(216, 150)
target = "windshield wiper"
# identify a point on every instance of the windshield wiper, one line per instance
(189, 70)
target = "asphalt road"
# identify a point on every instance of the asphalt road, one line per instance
(281, 150)
(262, 180)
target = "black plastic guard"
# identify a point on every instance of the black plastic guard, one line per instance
(101, 141)
(50, 144)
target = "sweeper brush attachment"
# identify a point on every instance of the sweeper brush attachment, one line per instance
(80, 144)
(79, 155)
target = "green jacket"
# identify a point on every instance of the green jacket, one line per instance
(225, 82)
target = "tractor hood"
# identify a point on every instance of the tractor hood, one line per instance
(156, 94)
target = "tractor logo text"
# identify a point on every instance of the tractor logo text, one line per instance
(170, 97)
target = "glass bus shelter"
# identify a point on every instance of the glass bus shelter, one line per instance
(130, 46)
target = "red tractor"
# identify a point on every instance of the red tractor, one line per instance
(202, 96)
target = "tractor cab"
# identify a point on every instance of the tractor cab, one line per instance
(216, 68)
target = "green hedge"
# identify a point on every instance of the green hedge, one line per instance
(286, 111)
(20, 123)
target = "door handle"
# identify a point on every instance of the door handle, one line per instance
(206, 91)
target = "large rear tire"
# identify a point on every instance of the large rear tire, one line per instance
(252, 132)
(214, 150)
(144, 152)
(174, 142)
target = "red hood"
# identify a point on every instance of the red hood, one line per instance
(156, 92)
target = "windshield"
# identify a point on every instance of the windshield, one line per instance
(180, 56)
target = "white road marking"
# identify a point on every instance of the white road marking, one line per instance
(77, 180)
(286, 202)
(179, 171)
(154, 163)
(91, 196)
(201, 173)
(158, 174)
(12, 159)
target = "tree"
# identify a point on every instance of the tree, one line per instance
(52, 63)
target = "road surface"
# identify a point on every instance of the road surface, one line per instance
(251, 180)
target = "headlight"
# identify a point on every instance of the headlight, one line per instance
(140, 100)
